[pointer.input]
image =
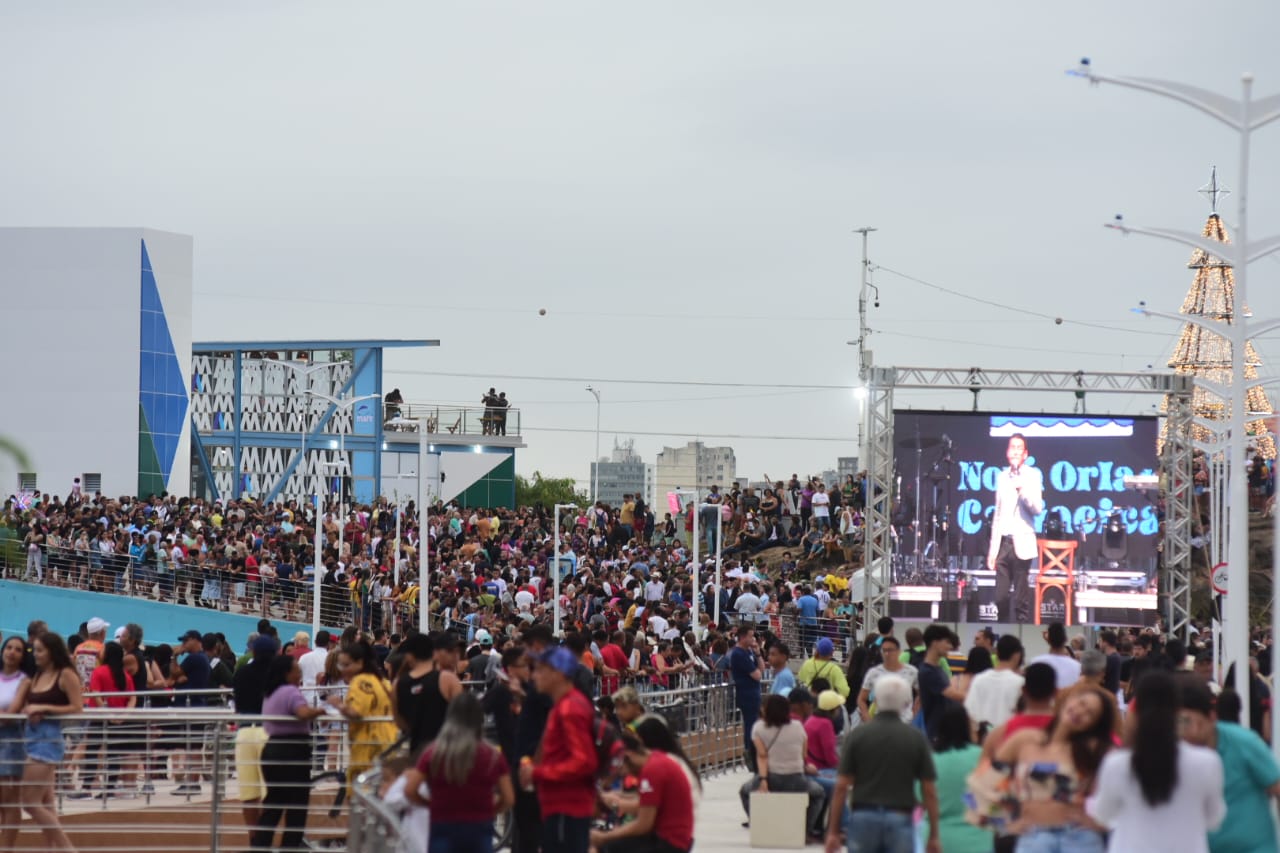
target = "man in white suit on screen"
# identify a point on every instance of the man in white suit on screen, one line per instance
(1019, 499)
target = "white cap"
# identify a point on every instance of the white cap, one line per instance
(484, 638)
(97, 625)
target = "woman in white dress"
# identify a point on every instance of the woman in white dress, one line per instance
(1163, 793)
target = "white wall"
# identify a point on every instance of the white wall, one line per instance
(69, 304)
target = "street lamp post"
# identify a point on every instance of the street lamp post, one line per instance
(339, 403)
(555, 568)
(595, 478)
(719, 548)
(424, 530)
(318, 572)
(1243, 116)
(306, 370)
(693, 505)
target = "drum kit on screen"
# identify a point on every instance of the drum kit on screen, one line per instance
(926, 545)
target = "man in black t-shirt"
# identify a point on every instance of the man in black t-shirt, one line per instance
(192, 673)
(1107, 642)
(936, 690)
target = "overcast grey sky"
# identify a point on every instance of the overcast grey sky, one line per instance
(676, 183)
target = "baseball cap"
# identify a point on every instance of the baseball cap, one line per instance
(826, 647)
(560, 659)
(484, 638)
(264, 645)
(829, 700)
(97, 624)
(193, 634)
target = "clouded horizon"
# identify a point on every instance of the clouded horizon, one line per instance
(676, 184)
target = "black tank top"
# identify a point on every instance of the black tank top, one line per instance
(423, 705)
(55, 695)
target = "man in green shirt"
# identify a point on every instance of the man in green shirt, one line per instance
(1250, 774)
(821, 665)
(882, 761)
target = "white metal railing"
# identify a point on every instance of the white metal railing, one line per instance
(173, 780)
(200, 585)
(445, 419)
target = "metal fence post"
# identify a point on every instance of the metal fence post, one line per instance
(217, 784)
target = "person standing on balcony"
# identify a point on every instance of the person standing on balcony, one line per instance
(500, 413)
(392, 403)
(490, 402)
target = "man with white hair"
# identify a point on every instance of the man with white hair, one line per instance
(881, 763)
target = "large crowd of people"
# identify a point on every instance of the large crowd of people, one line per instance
(895, 740)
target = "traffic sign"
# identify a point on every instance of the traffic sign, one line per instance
(1218, 578)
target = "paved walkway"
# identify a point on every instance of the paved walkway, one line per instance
(718, 827)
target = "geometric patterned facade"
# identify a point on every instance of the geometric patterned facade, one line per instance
(273, 399)
(262, 427)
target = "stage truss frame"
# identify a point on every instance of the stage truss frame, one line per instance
(1175, 466)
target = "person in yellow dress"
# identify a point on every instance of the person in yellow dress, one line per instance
(367, 707)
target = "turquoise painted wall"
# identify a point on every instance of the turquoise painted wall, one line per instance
(65, 609)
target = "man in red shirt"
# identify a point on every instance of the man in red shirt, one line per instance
(565, 777)
(614, 663)
(664, 821)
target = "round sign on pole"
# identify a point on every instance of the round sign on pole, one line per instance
(1218, 579)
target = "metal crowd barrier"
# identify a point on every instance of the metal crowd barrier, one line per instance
(174, 780)
(801, 638)
(198, 586)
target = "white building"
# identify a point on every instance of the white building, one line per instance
(694, 466)
(97, 347)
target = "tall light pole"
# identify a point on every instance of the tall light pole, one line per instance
(555, 568)
(693, 505)
(339, 403)
(595, 468)
(1243, 116)
(719, 548)
(306, 370)
(424, 528)
(864, 354)
(318, 572)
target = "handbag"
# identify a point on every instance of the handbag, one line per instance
(989, 800)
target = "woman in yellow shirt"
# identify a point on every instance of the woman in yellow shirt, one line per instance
(367, 707)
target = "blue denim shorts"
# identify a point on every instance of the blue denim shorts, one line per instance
(13, 750)
(44, 742)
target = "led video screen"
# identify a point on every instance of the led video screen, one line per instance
(1017, 518)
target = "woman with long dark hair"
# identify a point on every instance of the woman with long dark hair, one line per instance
(368, 698)
(55, 690)
(1054, 771)
(286, 757)
(1163, 793)
(656, 734)
(463, 772)
(113, 687)
(955, 758)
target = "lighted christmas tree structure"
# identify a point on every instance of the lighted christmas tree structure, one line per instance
(1203, 354)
